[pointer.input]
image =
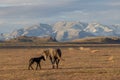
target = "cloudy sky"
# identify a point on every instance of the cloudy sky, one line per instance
(15, 14)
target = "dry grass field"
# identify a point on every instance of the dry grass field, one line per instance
(81, 63)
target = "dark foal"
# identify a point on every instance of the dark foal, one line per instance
(37, 60)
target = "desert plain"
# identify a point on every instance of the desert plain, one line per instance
(80, 63)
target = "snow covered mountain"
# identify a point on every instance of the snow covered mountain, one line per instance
(99, 29)
(64, 31)
(36, 30)
(68, 30)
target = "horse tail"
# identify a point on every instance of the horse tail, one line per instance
(60, 54)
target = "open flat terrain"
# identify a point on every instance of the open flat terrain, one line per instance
(81, 63)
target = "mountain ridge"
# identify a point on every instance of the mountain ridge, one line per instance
(67, 31)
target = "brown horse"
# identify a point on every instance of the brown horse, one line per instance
(54, 55)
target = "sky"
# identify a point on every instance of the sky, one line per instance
(15, 14)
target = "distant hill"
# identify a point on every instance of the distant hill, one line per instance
(32, 39)
(98, 40)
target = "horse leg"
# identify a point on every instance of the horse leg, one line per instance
(39, 66)
(57, 62)
(53, 62)
(30, 65)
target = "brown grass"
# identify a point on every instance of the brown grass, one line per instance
(78, 64)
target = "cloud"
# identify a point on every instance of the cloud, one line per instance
(35, 11)
(43, 8)
(31, 8)
(1, 22)
(114, 4)
(34, 2)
